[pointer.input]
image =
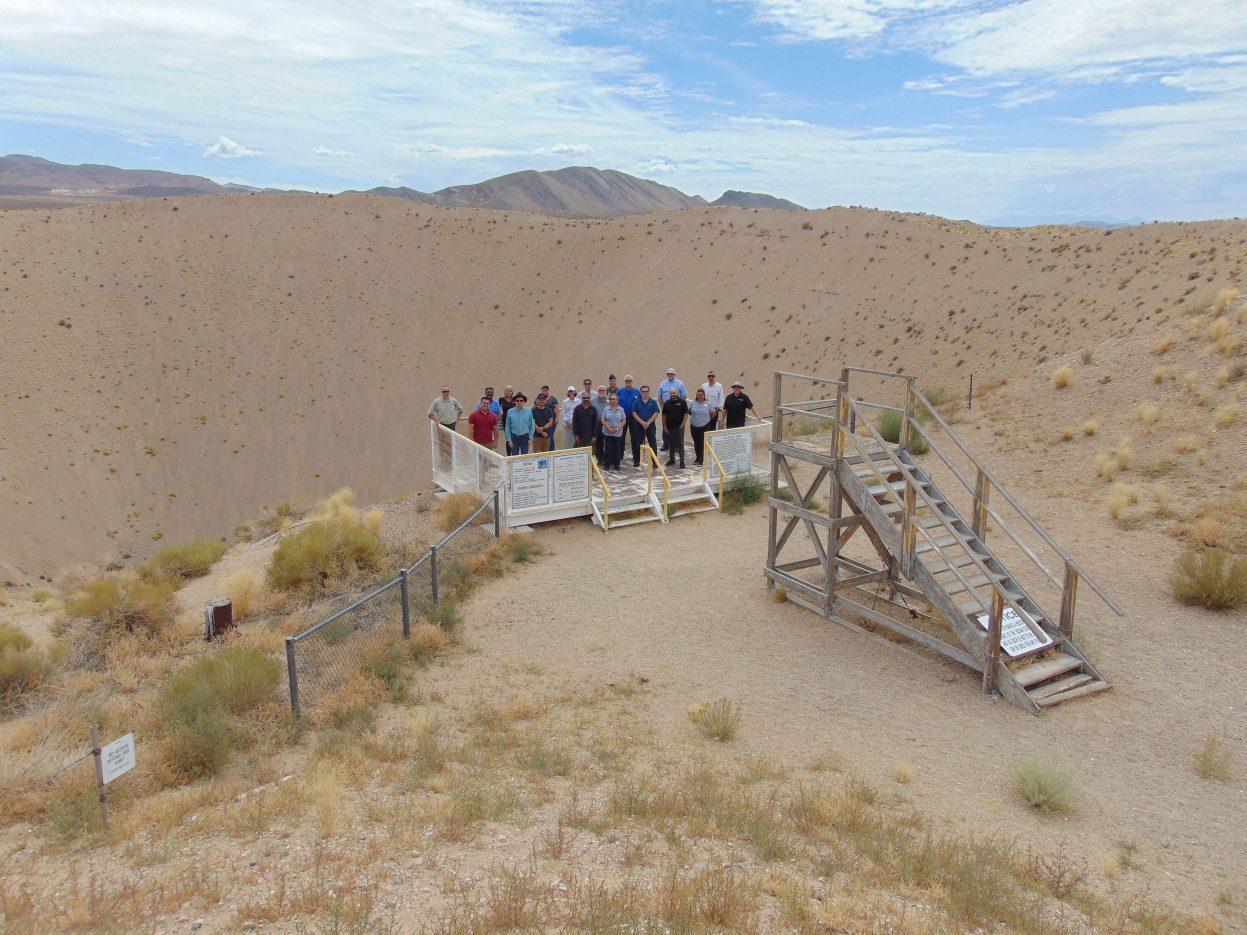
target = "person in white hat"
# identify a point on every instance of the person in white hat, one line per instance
(566, 408)
(664, 393)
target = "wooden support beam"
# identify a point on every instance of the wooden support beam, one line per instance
(991, 658)
(918, 636)
(1069, 600)
(859, 580)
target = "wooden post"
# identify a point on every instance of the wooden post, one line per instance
(909, 533)
(99, 773)
(982, 487)
(1069, 598)
(991, 659)
(907, 419)
(772, 519)
(777, 422)
(970, 398)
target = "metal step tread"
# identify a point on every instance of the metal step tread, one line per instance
(1050, 668)
(1093, 687)
(633, 520)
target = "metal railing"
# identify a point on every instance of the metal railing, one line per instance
(705, 471)
(603, 515)
(323, 657)
(651, 461)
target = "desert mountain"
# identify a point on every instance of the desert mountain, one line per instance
(32, 177)
(734, 199)
(172, 367)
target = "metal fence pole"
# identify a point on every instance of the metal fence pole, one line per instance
(497, 516)
(293, 673)
(406, 605)
(433, 573)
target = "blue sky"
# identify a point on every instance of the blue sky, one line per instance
(992, 110)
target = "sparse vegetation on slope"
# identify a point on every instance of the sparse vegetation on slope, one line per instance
(1212, 578)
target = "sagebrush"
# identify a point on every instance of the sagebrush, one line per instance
(1212, 578)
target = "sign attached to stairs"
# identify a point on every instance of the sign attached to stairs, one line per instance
(1016, 638)
(530, 483)
(571, 477)
(734, 449)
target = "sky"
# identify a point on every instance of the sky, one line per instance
(998, 111)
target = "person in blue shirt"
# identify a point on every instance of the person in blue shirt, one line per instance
(519, 425)
(664, 393)
(644, 415)
(628, 396)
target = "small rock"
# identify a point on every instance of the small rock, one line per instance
(197, 925)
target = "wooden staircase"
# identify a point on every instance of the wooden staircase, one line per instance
(927, 548)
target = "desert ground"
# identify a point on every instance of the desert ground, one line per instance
(177, 367)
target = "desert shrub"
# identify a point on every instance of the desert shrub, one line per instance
(245, 589)
(742, 492)
(444, 614)
(1062, 377)
(1211, 578)
(427, 640)
(1090, 427)
(192, 559)
(520, 549)
(718, 720)
(388, 666)
(13, 637)
(455, 508)
(22, 669)
(1212, 762)
(889, 426)
(198, 703)
(326, 550)
(1044, 787)
(135, 605)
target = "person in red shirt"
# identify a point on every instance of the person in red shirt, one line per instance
(484, 425)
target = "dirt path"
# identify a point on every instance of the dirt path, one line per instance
(685, 606)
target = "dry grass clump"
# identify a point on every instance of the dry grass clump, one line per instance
(1222, 377)
(1062, 377)
(1185, 444)
(1123, 496)
(127, 604)
(1227, 415)
(1067, 434)
(192, 559)
(1221, 301)
(247, 591)
(718, 720)
(1111, 464)
(22, 666)
(454, 508)
(1163, 345)
(1212, 762)
(326, 551)
(200, 707)
(427, 640)
(1090, 427)
(1044, 787)
(1148, 414)
(1212, 578)
(1164, 374)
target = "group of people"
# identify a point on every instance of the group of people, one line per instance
(603, 419)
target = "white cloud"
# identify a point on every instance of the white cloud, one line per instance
(845, 19)
(326, 151)
(1023, 97)
(656, 167)
(564, 149)
(768, 122)
(225, 148)
(451, 152)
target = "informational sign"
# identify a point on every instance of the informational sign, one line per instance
(1016, 637)
(571, 476)
(117, 758)
(530, 483)
(734, 449)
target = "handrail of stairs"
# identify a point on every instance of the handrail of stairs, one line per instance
(1073, 571)
(705, 470)
(651, 462)
(913, 492)
(595, 471)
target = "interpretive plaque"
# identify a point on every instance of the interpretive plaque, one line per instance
(734, 449)
(530, 483)
(571, 477)
(1016, 637)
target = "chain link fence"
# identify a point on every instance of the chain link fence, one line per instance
(321, 658)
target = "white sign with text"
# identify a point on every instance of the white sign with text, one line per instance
(1016, 637)
(734, 449)
(117, 758)
(530, 483)
(571, 477)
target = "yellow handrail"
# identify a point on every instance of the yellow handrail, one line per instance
(606, 493)
(705, 469)
(651, 462)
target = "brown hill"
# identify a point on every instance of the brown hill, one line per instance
(734, 199)
(25, 177)
(171, 367)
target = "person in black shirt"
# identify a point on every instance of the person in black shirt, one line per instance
(736, 405)
(584, 423)
(674, 418)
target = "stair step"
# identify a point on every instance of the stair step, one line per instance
(896, 486)
(981, 603)
(1060, 686)
(633, 520)
(1050, 668)
(685, 497)
(1089, 688)
(941, 542)
(955, 585)
(951, 562)
(697, 509)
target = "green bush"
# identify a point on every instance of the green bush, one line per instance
(889, 426)
(324, 551)
(197, 703)
(1211, 578)
(1044, 787)
(742, 492)
(130, 604)
(192, 559)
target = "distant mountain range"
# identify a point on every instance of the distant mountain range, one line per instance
(577, 191)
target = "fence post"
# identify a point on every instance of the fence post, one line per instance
(292, 673)
(406, 605)
(992, 655)
(497, 515)
(101, 791)
(433, 573)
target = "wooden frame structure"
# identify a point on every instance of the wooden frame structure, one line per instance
(918, 555)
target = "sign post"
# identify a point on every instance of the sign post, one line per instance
(111, 760)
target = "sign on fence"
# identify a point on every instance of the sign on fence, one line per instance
(117, 758)
(1016, 637)
(734, 449)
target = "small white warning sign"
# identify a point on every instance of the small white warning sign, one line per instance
(1016, 638)
(117, 758)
